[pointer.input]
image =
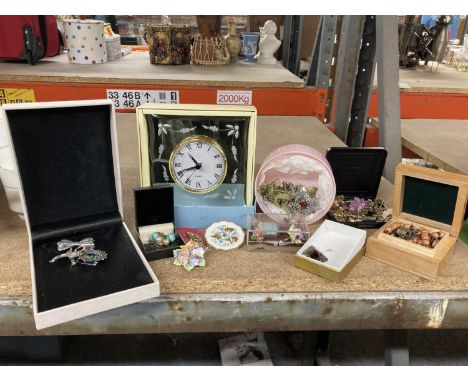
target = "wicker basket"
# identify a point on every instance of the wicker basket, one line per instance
(210, 51)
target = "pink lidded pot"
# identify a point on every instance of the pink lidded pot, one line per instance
(300, 165)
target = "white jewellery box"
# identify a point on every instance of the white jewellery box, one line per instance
(68, 164)
(342, 246)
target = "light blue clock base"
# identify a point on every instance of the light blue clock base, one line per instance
(229, 195)
(227, 202)
(203, 216)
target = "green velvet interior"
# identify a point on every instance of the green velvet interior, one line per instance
(430, 200)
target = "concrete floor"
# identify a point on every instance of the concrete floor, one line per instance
(293, 349)
(365, 348)
(426, 347)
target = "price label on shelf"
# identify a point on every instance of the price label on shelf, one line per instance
(8, 95)
(130, 99)
(234, 97)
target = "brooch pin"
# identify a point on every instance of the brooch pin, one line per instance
(190, 255)
(80, 252)
(291, 198)
(224, 235)
(65, 244)
(159, 239)
(359, 210)
(313, 253)
(192, 234)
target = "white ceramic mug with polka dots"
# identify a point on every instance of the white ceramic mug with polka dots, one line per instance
(85, 41)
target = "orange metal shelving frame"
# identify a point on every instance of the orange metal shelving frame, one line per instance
(421, 105)
(268, 101)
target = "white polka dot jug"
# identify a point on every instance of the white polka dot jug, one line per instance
(85, 41)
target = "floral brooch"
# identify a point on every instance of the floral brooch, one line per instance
(224, 235)
(190, 255)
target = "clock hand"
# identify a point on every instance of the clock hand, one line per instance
(198, 164)
(190, 168)
(192, 173)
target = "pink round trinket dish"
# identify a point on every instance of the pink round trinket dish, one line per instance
(300, 165)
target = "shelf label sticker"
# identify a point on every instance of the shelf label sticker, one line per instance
(234, 97)
(130, 98)
(8, 95)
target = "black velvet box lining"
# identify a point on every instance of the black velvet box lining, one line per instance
(65, 161)
(155, 205)
(66, 167)
(60, 284)
(357, 171)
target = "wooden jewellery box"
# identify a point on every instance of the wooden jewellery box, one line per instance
(68, 164)
(432, 200)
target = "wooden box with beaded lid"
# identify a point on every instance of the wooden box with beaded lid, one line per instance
(428, 211)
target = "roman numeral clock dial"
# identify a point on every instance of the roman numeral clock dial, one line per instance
(198, 164)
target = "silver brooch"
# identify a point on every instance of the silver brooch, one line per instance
(80, 252)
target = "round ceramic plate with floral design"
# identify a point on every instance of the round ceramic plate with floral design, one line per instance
(224, 235)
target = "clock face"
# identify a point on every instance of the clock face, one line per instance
(198, 164)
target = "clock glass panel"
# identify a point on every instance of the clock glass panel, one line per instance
(230, 135)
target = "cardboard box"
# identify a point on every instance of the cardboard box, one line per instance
(341, 244)
(67, 159)
(428, 198)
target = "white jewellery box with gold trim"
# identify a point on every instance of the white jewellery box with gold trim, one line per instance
(83, 258)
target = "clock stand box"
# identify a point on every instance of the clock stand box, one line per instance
(67, 159)
(341, 244)
(357, 172)
(431, 199)
(207, 152)
(154, 212)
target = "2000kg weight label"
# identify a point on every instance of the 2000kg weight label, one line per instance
(131, 99)
(234, 97)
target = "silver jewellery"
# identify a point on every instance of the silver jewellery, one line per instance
(291, 198)
(65, 244)
(80, 252)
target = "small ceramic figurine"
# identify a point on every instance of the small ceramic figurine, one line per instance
(268, 45)
(233, 42)
(250, 45)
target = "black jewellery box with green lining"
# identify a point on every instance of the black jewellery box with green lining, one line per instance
(67, 159)
(154, 214)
